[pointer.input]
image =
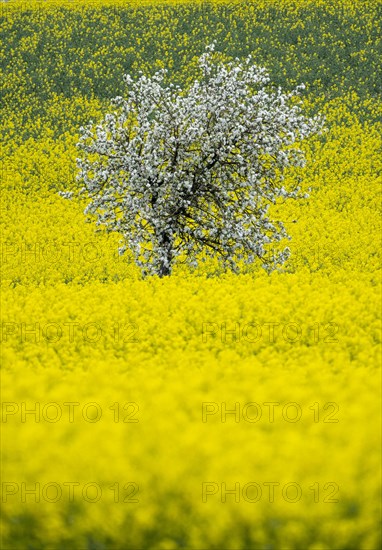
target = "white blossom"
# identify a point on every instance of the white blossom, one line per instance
(178, 173)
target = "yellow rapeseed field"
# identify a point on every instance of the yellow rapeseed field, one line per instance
(206, 409)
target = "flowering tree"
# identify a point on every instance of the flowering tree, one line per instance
(178, 173)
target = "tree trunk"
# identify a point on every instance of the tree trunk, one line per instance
(166, 242)
(164, 270)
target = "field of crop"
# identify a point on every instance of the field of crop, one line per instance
(205, 409)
